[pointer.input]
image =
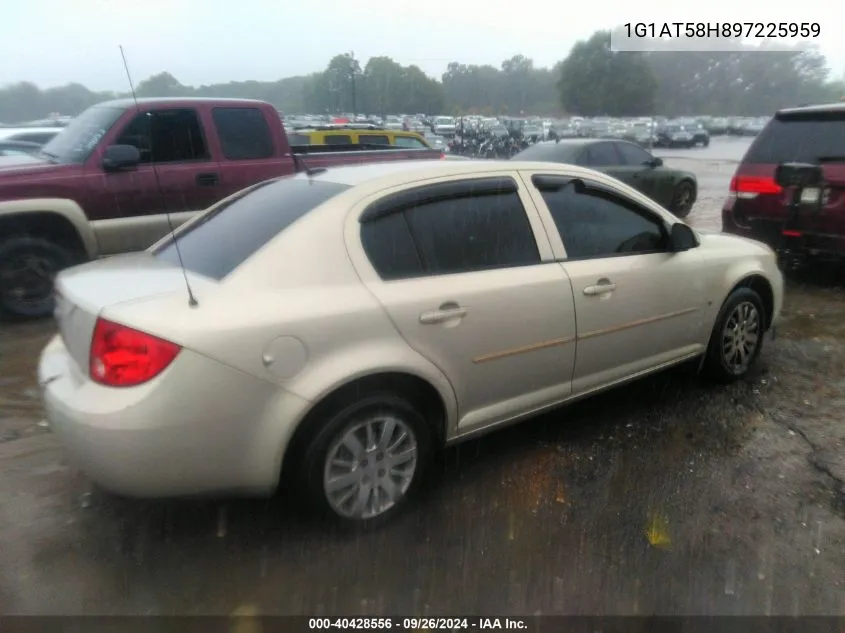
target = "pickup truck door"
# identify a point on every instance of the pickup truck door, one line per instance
(176, 177)
(250, 152)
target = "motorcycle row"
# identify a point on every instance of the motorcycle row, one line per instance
(477, 141)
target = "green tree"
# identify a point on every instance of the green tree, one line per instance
(595, 81)
(163, 85)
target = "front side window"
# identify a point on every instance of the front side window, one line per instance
(166, 136)
(410, 142)
(599, 224)
(633, 155)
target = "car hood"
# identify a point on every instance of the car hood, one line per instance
(718, 241)
(26, 166)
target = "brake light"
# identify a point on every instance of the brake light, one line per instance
(442, 155)
(751, 186)
(123, 357)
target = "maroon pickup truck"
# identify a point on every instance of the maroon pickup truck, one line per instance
(117, 177)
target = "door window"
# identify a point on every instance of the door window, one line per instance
(599, 224)
(633, 155)
(166, 136)
(600, 154)
(338, 139)
(243, 132)
(445, 235)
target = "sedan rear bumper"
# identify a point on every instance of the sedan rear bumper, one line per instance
(199, 428)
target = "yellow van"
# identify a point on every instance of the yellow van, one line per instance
(355, 136)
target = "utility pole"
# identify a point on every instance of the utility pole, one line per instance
(352, 73)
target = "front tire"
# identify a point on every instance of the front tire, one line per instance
(28, 267)
(363, 466)
(737, 337)
(682, 199)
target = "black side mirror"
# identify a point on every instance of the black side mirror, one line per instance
(682, 238)
(654, 162)
(120, 158)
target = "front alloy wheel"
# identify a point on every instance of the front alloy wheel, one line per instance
(740, 337)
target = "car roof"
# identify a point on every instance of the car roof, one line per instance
(126, 103)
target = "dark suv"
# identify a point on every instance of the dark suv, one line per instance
(757, 207)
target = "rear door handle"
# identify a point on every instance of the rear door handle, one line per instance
(441, 315)
(207, 179)
(602, 287)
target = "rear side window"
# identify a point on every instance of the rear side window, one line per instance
(228, 236)
(803, 137)
(338, 139)
(459, 232)
(299, 139)
(243, 132)
(373, 139)
(599, 155)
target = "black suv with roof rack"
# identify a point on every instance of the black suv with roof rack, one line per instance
(759, 208)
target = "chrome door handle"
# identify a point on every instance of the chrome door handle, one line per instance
(602, 287)
(439, 316)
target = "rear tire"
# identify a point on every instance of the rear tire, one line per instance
(366, 460)
(737, 337)
(28, 267)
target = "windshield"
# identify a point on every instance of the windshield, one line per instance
(75, 142)
(443, 120)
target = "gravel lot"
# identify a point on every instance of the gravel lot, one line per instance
(746, 483)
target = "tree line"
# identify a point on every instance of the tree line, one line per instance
(592, 80)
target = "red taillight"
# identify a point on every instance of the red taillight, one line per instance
(792, 233)
(442, 155)
(752, 186)
(123, 357)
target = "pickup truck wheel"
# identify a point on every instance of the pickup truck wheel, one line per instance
(682, 199)
(28, 266)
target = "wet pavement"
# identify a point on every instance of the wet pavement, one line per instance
(669, 496)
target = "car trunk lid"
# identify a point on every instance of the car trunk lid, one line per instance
(83, 292)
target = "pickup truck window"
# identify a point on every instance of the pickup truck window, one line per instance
(338, 139)
(243, 132)
(226, 237)
(81, 136)
(166, 136)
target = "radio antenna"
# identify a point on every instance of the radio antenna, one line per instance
(192, 300)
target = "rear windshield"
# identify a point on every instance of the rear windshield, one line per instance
(801, 137)
(228, 236)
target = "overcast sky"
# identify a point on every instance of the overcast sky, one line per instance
(54, 42)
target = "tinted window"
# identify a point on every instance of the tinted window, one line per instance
(473, 233)
(600, 154)
(800, 138)
(550, 152)
(375, 139)
(597, 225)
(243, 133)
(390, 247)
(632, 155)
(410, 142)
(338, 139)
(299, 139)
(166, 136)
(230, 235)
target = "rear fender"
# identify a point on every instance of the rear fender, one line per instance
(64, 209)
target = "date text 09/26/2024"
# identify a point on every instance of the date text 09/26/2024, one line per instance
(733, 30)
